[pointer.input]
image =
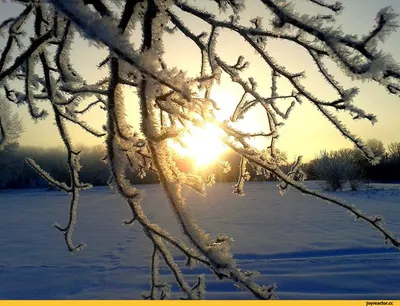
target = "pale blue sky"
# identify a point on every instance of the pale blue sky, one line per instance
(306, 133)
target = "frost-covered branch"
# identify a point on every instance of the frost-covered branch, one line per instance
(45, 175)
(336, 7)
(375, 221)
(363, 60)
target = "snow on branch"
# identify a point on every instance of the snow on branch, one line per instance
(256, 157)
(336, 7)
(45, 175)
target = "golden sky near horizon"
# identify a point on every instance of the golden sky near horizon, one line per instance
(305, 133)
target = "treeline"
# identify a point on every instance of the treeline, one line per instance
(350, 167)
(15, 173)
(338, 167)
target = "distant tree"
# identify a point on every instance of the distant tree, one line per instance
(8, 164)
(11, 126)
(356, 176)
(330, 169)
(394, 150)
(336, 168)
(172, 103)
(10, 130)
(377, 147)
(94, 169)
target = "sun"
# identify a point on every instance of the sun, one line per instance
(203, 145)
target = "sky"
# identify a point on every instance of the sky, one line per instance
(305, 133)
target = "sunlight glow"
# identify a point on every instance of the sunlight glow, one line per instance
(253, 121)
(201, 144)
(204, 146)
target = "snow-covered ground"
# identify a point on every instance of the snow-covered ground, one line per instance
(311, 249)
